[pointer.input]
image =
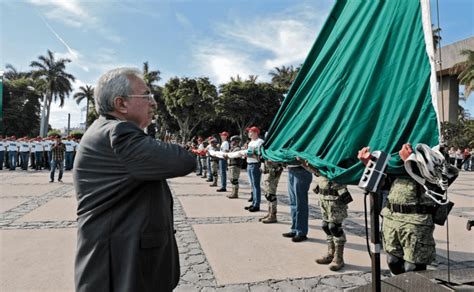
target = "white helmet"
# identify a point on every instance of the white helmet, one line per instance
(429, 168)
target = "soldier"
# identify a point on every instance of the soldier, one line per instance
(408, 226)
(208, 159)
(271, 176)
(39, 148)
(234, 167)
(12, 148)
(24, 152)
(223, 162)
(333, 200)
(198, 156)
(333, 211)
(214, 161)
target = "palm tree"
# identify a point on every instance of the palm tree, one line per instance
(58, 82)
(283, 77)
(466, 75)
(150, 76)
(12, 73)
(86, 92)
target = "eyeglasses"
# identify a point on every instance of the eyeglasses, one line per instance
(149, 96)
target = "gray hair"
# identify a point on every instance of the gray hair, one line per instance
(114, 83)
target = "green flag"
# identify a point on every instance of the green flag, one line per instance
(365, 82)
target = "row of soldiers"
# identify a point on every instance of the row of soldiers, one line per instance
(33, 152)
(408, 213)
(240, 157)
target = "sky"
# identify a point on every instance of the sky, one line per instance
(184, 38)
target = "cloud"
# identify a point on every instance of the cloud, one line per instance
(257, 45)
(58, 117)
(183, 20)
(74, 13)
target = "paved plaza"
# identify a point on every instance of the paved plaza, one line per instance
(222, 246)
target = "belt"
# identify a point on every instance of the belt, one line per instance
(329, 192)
(410, 209)
(253, 163)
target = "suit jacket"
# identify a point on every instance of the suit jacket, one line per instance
(126, 237)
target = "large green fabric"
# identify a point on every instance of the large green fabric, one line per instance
(365, 82)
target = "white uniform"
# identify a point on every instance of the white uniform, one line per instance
(254, 147)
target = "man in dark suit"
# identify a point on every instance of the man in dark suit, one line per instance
(126, 237)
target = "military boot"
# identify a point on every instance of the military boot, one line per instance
(266, 216)
(327, 259)
(338, 261)
(214, 181)
(234, 194)
(273, 215)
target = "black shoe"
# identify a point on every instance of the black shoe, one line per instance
(299, 238)
(209, 180)
(289, 234)
(198, 174)
(59, 180)
(254, 209)
(250, 199)
(248, 207)
(51, 180)
(221, 190)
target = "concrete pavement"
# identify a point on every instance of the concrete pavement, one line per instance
(222, 246)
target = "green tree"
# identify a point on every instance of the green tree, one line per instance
(466, 69)
(58, 81)
(247, 103)
(86, 93)
(54, 132)
(283, 77)
(189, 101)
(21, 107)
(461, 133)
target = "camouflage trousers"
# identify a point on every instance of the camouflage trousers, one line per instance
(270, 182)
(333, 211)
(412, 242)
(214, 167)
(234, 172)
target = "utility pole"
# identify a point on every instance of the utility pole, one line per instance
(68, 124)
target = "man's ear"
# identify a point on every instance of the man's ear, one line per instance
(119, 105)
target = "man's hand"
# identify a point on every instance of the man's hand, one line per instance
(304, 163)
(364, 155)
(405, 151)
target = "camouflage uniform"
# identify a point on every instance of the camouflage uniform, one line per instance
(214, 163)
(333, 212)
(271, 177)
(407, 233)
(234, 167)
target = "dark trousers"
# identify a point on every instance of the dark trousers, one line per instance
(255, 175)
(39, 160)
(299, 181)
(223, 172)
(24, 160)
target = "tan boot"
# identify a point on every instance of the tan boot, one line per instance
(214, 181)
(338, 261)
(266, 216)
(272, 218)
(234, 194)
(327, 259)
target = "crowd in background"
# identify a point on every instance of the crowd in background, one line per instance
(35, 153)
(461, 159)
